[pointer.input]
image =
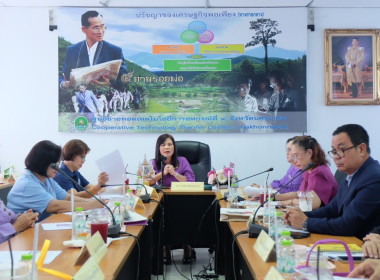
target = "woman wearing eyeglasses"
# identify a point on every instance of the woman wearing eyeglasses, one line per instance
(289, 183)
(74, 155)
(318, 180)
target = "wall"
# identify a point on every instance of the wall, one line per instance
(28, 98)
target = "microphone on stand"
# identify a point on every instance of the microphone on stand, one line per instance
(145, 197)
(240, 198)
(255, 229)
(114, 229)
(163, 159)
(268, 170)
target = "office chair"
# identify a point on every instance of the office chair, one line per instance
(198, 155)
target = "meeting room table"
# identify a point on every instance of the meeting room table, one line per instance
(249, 265)
(116, 262)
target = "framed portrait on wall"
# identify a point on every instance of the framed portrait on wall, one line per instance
(351, 59)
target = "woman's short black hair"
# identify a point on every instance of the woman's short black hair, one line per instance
(160, 140)
(41, 156)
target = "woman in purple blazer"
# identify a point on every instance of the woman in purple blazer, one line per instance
(176, 169)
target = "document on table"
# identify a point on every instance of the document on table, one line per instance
(113, 165)
(292, 229)
(136, 219)
(51, 255)
(57, 226)
(234, 214)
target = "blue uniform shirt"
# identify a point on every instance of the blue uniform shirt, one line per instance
(66, 183)
(30, 193)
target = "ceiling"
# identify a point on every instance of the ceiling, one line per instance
(193, 3)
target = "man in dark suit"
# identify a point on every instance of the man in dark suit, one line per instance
(94, 50)
(354, 211)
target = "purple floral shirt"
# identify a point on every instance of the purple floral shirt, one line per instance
(293, 186)
(183, 169)
(7, 218)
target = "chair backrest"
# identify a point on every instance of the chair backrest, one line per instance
(198, 155)
(339, 176)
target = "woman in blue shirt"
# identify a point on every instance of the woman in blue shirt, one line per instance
(36, 188)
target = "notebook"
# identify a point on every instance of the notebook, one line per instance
(338, 248)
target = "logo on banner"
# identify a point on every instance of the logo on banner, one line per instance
(81, 123)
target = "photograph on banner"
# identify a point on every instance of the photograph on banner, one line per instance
(155, 70)
(350, 73)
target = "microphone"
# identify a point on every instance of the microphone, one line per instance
(255, 229)
(114, 229)
(145, 197)
(268, 170)
(150, 178)
(163, 158)
(241, 198)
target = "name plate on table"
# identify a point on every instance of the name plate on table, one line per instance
(90, 270)
(94, 247)
(265, 247)
(138, 203)
(152, 191)
(188, 186)
(273, 274)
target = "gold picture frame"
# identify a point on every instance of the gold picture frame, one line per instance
(351, 66)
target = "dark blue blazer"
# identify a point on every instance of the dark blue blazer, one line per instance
(77, 56)
(66, 183)
(355, 210)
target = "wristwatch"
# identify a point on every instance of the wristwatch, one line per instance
(304, 225)
(176, 174)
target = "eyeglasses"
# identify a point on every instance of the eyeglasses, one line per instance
(83, 158)
(340, 152)
(296, 156)
(98, 28)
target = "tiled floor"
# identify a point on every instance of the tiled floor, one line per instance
(177, 270)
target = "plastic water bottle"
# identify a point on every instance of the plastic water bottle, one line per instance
(79, 224)
(118, 214)
(286, 260)
(285, 235)
(280, 223)
(130, 201)
(233, 196)
(272, 226)
(28, 258)
(267, 212)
